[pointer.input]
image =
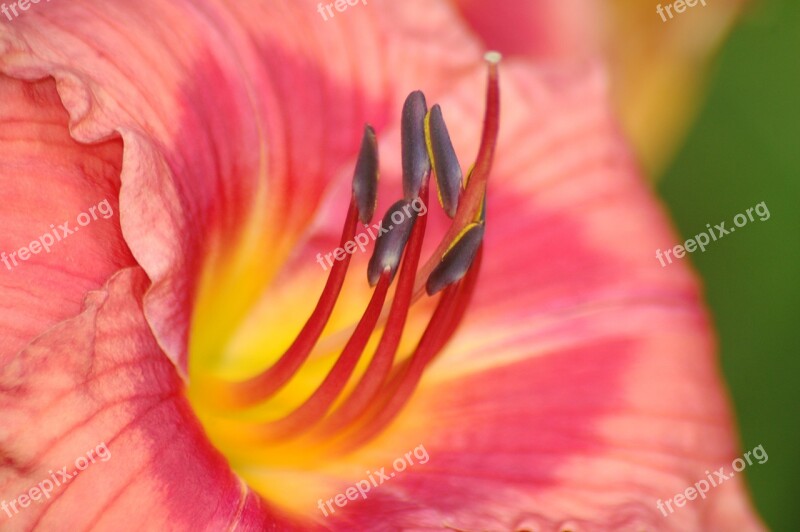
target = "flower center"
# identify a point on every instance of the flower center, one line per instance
(339, 416)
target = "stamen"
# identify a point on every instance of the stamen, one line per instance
(252, 391)
(471, 204)
(457, 259)
(449, 312)
(321, 400)
(443, 157)
(391, 243)
(365, 176)
(386, 386)
(266, 384)
(386, 257)
(379, 367)
(414, 152)
(465, 296)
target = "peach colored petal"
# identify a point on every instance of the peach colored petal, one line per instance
(48, 180)
(100, 378)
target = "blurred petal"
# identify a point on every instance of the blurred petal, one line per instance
(660, 71)
(658, 68)
(548, 30)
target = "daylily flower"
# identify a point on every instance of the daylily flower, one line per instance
(564, 382)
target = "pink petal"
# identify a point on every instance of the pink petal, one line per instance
(47, 179)
(549, 30)
(100, 378)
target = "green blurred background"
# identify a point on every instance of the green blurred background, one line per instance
(744, 148)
